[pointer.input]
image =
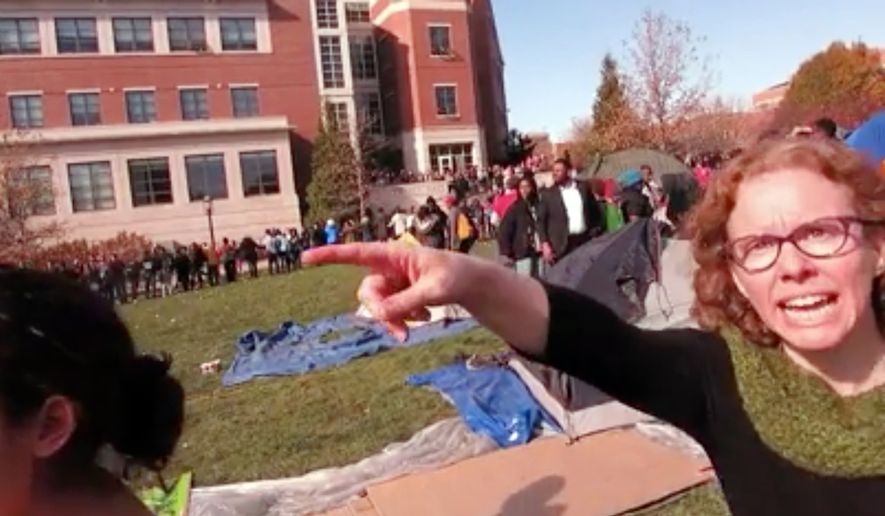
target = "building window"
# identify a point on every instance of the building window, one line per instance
(194, 105)
(206, 177)
(85, 109)
(454, 156)
(150, 182)
(92, 186)
(330, 57)
(238, 34)
(19, 36)
(186, 34)
(76, 35)
(327, 14)
(440, 40)
(446, 101)
(259, 171)
(362, 58)
(370, 117)
(39, 180)
(337, 117)
(29, 191)
(140, 107)
(27, 111)
(133, 35)
(357, 12)
(245, 101)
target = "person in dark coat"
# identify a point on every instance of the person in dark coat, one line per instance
(182, 265)
(249, 253)
(518, 241)
(568, 216)
(117, 279)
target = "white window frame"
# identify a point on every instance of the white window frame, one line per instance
(335, 22)
(243, 86)
(457, 113)
(430, 40)
(358, 22)
(127, 91)
(341, 63)
(361, 39)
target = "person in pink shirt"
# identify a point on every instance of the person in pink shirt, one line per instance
(702, 172)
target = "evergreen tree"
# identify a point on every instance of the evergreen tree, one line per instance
(334, 190)
(611, 99)
(614, 125)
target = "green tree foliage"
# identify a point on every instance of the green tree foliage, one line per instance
(844, 82)
(334, 190)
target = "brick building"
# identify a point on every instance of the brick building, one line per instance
(142, 109)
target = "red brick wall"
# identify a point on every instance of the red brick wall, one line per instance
(405, 36)
(286, 74)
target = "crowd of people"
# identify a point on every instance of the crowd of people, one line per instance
(533, 227)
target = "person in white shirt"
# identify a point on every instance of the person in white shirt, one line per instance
(399, 221)
(569, 215)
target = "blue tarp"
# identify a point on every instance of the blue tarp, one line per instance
(295, 349)
(491, 400)
(869, 138)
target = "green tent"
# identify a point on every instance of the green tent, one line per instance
(611, 166)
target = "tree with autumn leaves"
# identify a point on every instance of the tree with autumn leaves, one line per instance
(843, 82)
(667, 84)
(26, 196)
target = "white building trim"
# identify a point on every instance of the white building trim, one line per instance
(110, 132)
(407, 5)
(105, 11)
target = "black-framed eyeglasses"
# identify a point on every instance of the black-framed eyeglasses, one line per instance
(823, 238)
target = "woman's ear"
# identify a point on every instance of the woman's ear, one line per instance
(736, 279)
(55, 424)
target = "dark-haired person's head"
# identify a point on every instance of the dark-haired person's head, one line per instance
(71, 385)
(528, 189)
(561, 171)
(825, 128)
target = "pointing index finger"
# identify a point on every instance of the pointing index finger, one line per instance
(364, 255)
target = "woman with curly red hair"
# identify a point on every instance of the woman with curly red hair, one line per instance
(783, 384)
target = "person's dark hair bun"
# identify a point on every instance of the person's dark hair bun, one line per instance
(150, 413)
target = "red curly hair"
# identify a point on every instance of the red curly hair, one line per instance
(718, 303)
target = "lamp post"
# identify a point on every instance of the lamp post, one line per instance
(207, 205)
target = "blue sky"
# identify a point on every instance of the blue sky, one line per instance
(553, 48)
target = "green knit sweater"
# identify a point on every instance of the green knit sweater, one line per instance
(801, 417)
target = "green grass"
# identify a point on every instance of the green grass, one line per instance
(280, 427)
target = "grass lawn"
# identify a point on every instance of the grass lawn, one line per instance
(280, 427)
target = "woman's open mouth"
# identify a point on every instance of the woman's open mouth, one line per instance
(809, 309)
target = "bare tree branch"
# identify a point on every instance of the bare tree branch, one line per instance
(670, 80)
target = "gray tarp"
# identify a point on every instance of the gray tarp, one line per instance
(438, 445)
(581, 409)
